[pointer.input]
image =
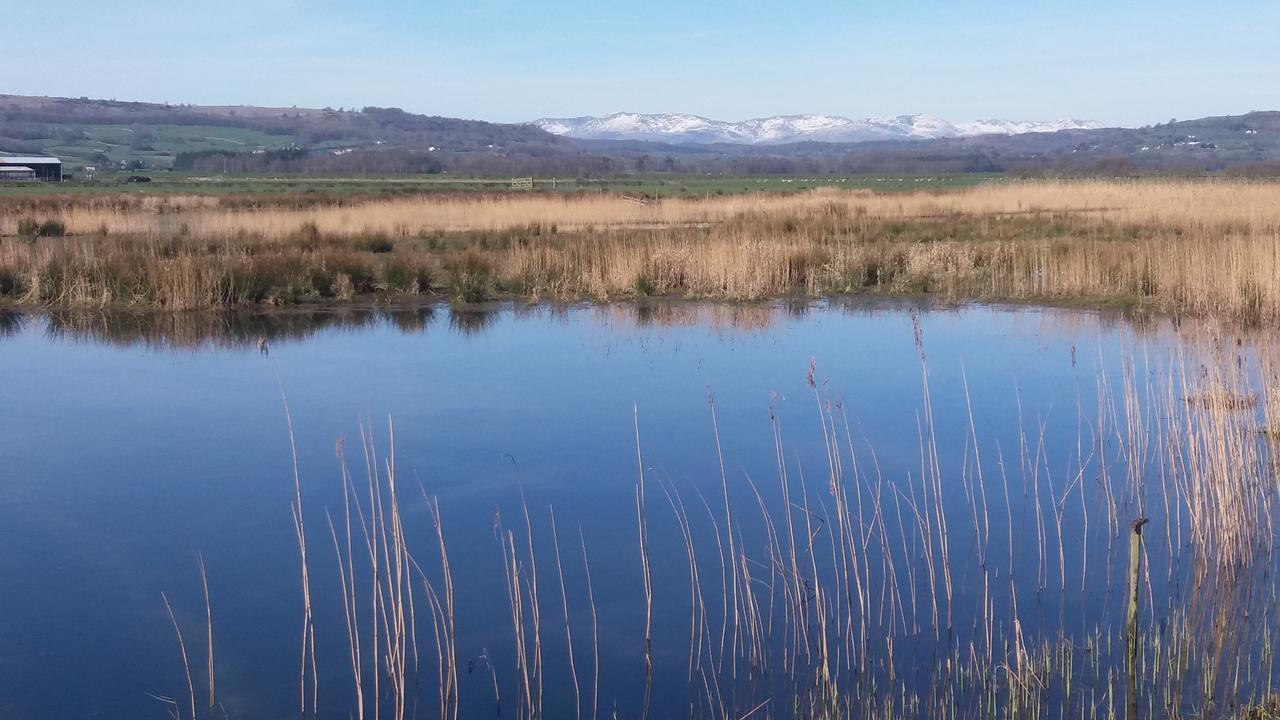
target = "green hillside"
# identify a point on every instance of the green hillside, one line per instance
(154, 136)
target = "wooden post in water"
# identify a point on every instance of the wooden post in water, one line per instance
(1131, 651)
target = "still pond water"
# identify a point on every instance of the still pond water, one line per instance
(977, 519)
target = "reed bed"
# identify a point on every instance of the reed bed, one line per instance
(1181, 203)
(1193, 247)
(845, 587)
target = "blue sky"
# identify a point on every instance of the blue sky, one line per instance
(1120, 62)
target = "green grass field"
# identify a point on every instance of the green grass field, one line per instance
(652, 185)
(156, 144)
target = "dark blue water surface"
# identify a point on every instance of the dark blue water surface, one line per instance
(130, 444)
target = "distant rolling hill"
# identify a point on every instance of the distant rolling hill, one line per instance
(150, 135)
(378, 141)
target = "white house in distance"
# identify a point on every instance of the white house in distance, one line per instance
(17, 167)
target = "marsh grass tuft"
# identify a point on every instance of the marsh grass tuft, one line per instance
(51, 228)
(644, 286)
(411, 276)
(470, 276)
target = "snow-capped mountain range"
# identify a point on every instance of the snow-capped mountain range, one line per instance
(677, 128)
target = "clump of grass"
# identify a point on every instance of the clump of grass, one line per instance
(32, 228)
(409, 276)
(270, 280)
(470, 276)
(376, 243)
(343, 287)
(358, 270)
(804, 267)
(644, 286)
(307, 236)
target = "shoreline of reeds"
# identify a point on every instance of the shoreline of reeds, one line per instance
(1177, 248)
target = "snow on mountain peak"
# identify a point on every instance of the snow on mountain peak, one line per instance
(684, 128)
(1018, 127)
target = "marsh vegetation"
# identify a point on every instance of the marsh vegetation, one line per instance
(1200, 248)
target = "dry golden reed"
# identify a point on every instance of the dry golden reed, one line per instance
(1186, 204)
(1195, 247)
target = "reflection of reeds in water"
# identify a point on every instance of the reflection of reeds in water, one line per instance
(251, 330)
(11, 322)
(860, 593)
(721, 317)
(245, 330)
(196, 331)
(237, 330)
(472, 320)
